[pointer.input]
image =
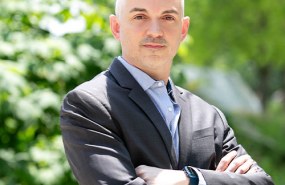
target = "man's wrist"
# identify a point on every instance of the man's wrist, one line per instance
(191, 174)
(183, 178)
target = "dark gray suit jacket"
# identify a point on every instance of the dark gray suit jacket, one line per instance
(110, 126)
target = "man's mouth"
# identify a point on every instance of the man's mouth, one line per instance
(154, 46)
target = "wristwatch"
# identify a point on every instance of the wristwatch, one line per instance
(192, 175)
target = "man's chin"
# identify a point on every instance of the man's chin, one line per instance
(155, 61)
(154, 57)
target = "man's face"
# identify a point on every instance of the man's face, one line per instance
(150, 31)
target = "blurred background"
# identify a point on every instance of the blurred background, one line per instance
(233, 57)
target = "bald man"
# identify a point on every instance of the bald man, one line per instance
(132, 125)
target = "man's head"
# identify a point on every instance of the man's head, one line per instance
(150, 32)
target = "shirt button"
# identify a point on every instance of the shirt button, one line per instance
(159, 84)
(170, 109)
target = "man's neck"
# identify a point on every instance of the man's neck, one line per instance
(158, 74)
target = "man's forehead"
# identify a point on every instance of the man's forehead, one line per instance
(158, 5)
(150, 2)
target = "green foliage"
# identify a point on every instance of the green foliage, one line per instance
(48, 47)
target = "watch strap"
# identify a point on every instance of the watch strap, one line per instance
(192, 175)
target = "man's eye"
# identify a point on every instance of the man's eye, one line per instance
(169, 18)
(139, 17)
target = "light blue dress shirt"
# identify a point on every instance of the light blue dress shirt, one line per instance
(162, 97)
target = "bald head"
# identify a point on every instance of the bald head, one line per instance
(121, 3)
(118, 5)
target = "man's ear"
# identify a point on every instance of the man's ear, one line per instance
(115, 26)
(185, 27)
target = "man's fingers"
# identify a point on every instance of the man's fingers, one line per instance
(238, 162)
(140, 170)
(245, 167)
(231, 163)
(225, 161)
(254, 169)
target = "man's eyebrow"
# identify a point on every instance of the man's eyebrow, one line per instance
(144, 10)
(170, 12)
(138, 10)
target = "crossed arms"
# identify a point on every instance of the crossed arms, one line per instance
(229, 163)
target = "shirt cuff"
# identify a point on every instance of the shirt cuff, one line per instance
(200, 176)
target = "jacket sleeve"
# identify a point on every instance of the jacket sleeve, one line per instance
(94, 149)
(258, 177)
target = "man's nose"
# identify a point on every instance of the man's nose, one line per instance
(154, 29)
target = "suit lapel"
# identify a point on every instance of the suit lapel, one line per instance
(145, 103)
(185, 128)
(139, 96)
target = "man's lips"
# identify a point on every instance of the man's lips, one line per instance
(154, 46)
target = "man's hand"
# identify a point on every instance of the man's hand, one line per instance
(240, 165)
(229, 163)
(157, 176)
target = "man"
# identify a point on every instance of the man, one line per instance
(131, 125)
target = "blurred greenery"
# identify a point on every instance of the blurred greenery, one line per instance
(233, 57)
